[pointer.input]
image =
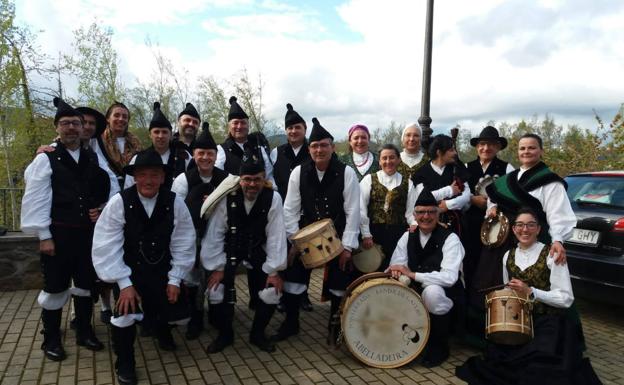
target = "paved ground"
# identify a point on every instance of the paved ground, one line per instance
(301, 360)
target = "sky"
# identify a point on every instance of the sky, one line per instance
(360, 61)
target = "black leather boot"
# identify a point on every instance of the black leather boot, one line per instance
(196, 324)
(223, 318)
(261, 319)
(437, 348)
(164, 337)
(290, 326)
(306, 305)
(85, 336)
(52, 346)
(123, 346)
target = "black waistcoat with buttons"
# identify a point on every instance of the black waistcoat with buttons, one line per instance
(431, 179)
(429, 258)
(323, 199)
(147, 239)
(284, 164)
(247, 232)
(234, 154)
(198, 190)
(76, 187)
(496, 167)
(176, 163)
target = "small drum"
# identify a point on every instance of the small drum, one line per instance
(318, 243)
(368, 260)
(508, 319)
(384, 323)
(494, 231)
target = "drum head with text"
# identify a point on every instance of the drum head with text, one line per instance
(385, 325)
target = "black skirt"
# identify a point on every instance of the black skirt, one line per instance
(553, 357)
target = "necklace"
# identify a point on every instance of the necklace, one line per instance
(364, 162)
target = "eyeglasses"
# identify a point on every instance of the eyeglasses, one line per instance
(324, 146)
(425, 212)
(528, 225)
(248, 180)
(67, 123)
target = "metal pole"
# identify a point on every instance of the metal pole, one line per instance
(425, 119)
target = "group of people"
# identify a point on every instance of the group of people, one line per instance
(112, 216)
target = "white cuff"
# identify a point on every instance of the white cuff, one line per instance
(44, 234)
(124, 283)
(174, 281)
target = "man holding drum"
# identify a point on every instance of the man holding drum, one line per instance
(246, 226)
(432, 257)
(323, 188)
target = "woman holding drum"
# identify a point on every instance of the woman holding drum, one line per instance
(554, 355)
(360, 158)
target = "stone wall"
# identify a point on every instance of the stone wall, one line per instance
(19, 262)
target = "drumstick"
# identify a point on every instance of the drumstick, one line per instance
(487, 289)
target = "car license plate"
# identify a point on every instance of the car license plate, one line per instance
(585, 237)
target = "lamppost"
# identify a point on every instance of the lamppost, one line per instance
(425, 120)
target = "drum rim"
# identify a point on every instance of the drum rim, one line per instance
(502, 234)
(300, 237)
(361, 250)
(350, 291)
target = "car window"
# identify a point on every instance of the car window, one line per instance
(599, 190)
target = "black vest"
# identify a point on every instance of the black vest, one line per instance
(428, 259)
(234, 154)
(324, 199)
(147, 239)
(197, 190)
(247, 232)
(496, 167)
(431, 179)
(76, 187)
(284, 164)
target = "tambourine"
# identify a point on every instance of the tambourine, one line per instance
(494, 231)
(368, 260)
(483, 183)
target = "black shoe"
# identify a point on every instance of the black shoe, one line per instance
(262, 343)
(146, 330)
(127, 378)
(90, 342)
(433, 359)
(55, 352)
(165, 340)
(192, 332)
(105, 316)
(283, 334)
(306, 305)
(220, 343)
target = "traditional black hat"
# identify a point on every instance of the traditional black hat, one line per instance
(63, 109)
(205, 140)
(100, 119)
(159, 119)
(251, 164)
(489, 133)
(292, 117)
(236, 112)
(318, 132)
(425, 198)
(189, 110)
(146, 158)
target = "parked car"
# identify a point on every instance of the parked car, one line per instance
(596, 249)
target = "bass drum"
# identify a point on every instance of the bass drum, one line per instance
(384, 323)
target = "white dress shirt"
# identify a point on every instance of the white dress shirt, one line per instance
(274, 153)
(555, 203)
(213, 254)
(452, 257)
(129, 182)
(37, 199)
(459, 202)
(268, 166)
(365, 161)
(103, 163)
(351, 206)
(560, 294)
(108, 242)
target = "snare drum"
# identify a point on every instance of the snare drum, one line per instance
(318, 243)
(368, 260)
(384, 323)
(494, 231)
(508, 319)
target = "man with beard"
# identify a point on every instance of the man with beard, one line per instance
(65, 191)
(322, 188)
(285, 158)
(431, 256)
(160, 132)
(144, 243)
(188, 124)
(194, 186)
(246, 226)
